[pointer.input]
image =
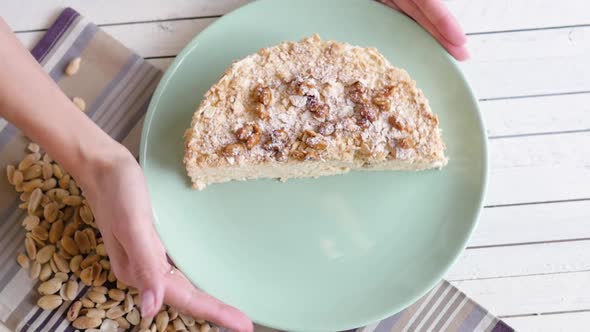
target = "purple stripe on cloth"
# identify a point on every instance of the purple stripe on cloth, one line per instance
(132, 123)
(386, 324)
(14, 233)
(14, 320)
(110, 111)
(60, 25)
(75, 50)
(13, 267)
(9, 275)
(111, 87)
(8, 211)
(13, 226)
(9, 252)
(41, 326)
(63, 317)
(70, 328)
(472, 320)
(502, 327)
(113, 113)
(136, 111)
(31, 320)
(11, 240)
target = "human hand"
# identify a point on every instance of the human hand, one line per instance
(118, 194)
(113, 184)
(433, 16)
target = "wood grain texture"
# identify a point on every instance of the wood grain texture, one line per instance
(500, 15)
(530, 63)
(538, 115)
(475, 15)
(521, 260)
(532, 224)
(529, 295)
(503, 65)
(146, 39)
(564, 322)
(111, 12)
(539, 168)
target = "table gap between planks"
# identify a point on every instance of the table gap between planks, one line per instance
(529, 259)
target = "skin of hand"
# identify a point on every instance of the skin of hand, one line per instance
(433, 16)
(112, 181)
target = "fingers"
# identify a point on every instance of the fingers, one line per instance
(411, 9)
(152, 291)
(181, 294)
(150, 267)
(442, 19)
(146, 264)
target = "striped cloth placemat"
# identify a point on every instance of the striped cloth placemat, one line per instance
(117, 85)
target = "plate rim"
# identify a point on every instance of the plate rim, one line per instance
(436, 278)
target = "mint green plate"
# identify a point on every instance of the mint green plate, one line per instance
(322, 254)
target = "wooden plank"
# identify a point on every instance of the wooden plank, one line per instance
(529, 63)
(522, 260)
(475, 15)
(498, 15)
(29, 39)
(110, 12)
(158, 39)
(532, 223)
(503, 65)
(539, 168)
(146, 39)
(537, 115)
(563, 322)
(530, 294)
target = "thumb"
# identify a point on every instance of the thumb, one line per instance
(150, 282)
(181, 294)
(148, 267)
(151, 289)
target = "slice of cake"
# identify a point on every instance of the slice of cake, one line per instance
(309, 109)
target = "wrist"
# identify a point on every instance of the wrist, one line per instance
(94, 160)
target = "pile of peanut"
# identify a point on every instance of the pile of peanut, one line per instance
(64, 247)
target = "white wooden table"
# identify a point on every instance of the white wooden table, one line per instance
(529, 260)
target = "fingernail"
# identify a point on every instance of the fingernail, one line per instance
(147, 302)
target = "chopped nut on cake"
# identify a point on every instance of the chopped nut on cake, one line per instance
(308, 109)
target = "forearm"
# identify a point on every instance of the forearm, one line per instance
(34, 103)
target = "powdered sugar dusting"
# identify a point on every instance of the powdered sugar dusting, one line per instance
(322, 71)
